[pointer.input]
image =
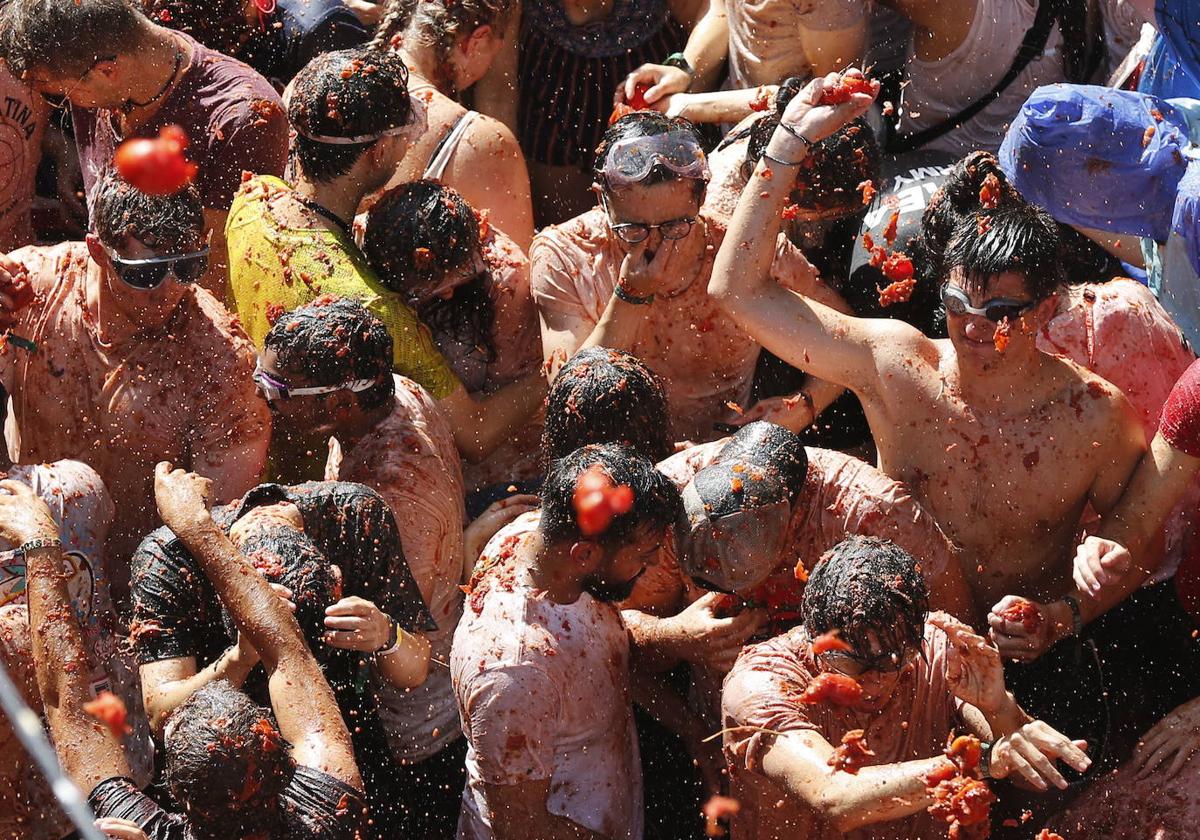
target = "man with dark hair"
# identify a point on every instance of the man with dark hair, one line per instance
(125, 76)
(333, 551)
(389, 435)
(354, 121)
(277, 40)
(540, 662)
(1002, 443)
(236, 769)
(922, 678)
(632, 274)
(128, 362)
(606, 396)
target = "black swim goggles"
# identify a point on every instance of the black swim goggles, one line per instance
(149, 273)
(995, 310)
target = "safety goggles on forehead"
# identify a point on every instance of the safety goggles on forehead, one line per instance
(276, 389)
(629, 161)
(995, 310)
(150, 273)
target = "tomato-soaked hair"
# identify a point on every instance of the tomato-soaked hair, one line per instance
(68, 37)
(332, 341)
(168, 224)
(226, 763)
(606, 396)
(1022, 239)
(357, 92)
(656, 501)
(871, 591)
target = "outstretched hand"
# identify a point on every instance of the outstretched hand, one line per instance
(24, 516)
(815, 121)
(973, 666)
(1174, 739)
(1099, 563)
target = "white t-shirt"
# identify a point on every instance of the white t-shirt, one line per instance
(543, 691)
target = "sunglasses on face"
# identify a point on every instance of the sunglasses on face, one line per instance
(150, 273)
(853, 665)
(995, 310)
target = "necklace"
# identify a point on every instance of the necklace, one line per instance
(322, 210)
(131, 104)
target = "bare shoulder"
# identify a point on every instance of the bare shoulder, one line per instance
(488, 136)
(1093, 399)
(903, 350)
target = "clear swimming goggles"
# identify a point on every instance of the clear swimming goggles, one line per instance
(629, 161)
(276, 389)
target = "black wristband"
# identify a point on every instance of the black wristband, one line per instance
(680, 61)
(1076, 615)
(808, 144)
(393, 639)
(620, 292)
(985, 759)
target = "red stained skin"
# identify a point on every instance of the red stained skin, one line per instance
(835, 689)
(852, 754)
(109, 709)
(156, 166)
(1023, 612)
(1000, 338)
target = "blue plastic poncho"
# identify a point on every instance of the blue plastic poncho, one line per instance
(1173, 67)
(1085, 154)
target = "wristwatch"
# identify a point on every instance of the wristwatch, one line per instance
(679, 60)
(392, 642)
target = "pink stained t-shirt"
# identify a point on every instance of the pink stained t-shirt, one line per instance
(1120, 332)
(704, 359)
(543, 693)
(410, 459)
(22, 125)
(763, 47)
(183, 394)
(762, 691)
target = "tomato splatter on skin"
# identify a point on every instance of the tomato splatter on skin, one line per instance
(1023, 612)
(110, 710)
(841, 92)
(852, 754)
(1002, 335)
(761, 100)
(831, 688)
(716, 809)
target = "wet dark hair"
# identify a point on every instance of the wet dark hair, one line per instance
(226, 763)
(335, 340)
(1021, 238)
(289, 557)
(415, 234)
(67, 37)
(655, 499)
(439, 24)
(768, 445)
(757, 485)
(828, 178)
(220, 25)
(346, 93)
(606, 396)
(864, 587)
(169, 224)
(645, 124)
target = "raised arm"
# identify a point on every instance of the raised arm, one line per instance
(304, 705)
(804, 333)
(89, 752)
(706, 49)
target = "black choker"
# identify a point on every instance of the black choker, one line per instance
(131, 104)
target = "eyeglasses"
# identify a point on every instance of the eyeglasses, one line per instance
(274, 389)
(853, 665)
(64, 99)
(635, 232)
(995, 310)
(150, 273)
(631, 160)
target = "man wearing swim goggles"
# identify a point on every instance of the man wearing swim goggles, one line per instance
(632, 274)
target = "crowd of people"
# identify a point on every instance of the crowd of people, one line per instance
(606, 419)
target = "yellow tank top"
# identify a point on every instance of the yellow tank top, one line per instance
(277, 269)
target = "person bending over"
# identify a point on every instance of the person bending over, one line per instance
(235, 768)
(922, 677)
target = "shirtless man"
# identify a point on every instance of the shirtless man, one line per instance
(134, 362)
(765, 41)
(631, 274)
(1005, 449)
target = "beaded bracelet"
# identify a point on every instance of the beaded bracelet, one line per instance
(620, 292)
